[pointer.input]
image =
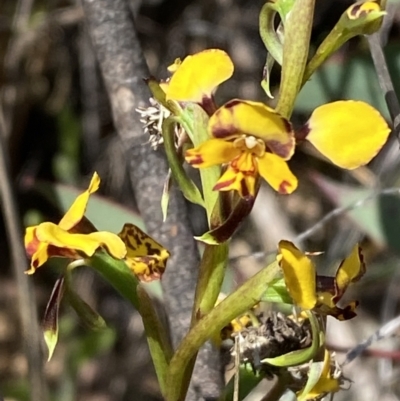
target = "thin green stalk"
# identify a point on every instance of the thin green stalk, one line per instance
(157, 338)
(295, 53)
(211, 276)
(235, 304)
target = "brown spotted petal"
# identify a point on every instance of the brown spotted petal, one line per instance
(242, 117)
(145, 257)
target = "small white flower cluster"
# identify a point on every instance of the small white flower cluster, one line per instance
(152, 118)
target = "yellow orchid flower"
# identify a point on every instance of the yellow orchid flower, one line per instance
(64, 239)
(320, 293)
(252, 139)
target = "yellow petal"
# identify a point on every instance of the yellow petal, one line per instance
(30, 240)
(52, 234)
(145, 257)
(276, 172)
(299, 274)
(360, 10)
(77, 209)
(349, 133)
(233, 180)
(211, 153)
(350, 271)
(256, 119)
(326, 384)
(112, 242)
(198, 76)
(39, 257)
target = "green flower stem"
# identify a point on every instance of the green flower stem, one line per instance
(343, 31)
(295, 52)
(211, 276)
(244, 298)
(160, 348)
(118, 274)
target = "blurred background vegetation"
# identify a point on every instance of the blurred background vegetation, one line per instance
(59, 129)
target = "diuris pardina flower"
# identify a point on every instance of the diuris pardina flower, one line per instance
(76, 238)
(48, 240)
(310, 291)
(252, 140)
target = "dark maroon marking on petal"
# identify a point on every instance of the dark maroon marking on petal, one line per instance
(220, 185)
(222, 132)
(346, 313)
(56, 252)
(84, 226)
(245, 190)
(232, 103)
(280, 149)
(197, 159)
(354, 9)
(302, 133)
(208, 104)
(326, 284)
(283, 187)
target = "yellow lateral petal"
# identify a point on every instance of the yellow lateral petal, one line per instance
(256, 119)
(30, 240)
(299, 274)
(276, 172)
(349, 133)
(87, 243)
(199, 75)
(146, 257)
(40, 256)
(211, 153)
(78, 208)
(112, 242)
(350, 270)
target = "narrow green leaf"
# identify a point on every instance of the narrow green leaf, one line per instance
(277, 292)
(186, 185)
(194, 120)
(314, 375)
(304, 355)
